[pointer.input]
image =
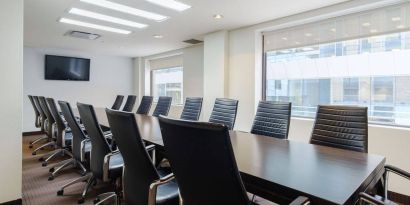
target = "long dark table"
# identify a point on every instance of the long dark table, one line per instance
(281, 170)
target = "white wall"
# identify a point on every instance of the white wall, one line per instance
(109, 76)
(11, 89)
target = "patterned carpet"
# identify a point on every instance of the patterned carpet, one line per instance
(37, 190)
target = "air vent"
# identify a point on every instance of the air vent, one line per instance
(193, 41)
(82, 35)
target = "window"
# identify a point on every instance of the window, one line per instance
(371, 71)
(168, 82)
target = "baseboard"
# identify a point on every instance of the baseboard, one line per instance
(399, 198)
(14, 202)
(32, 133)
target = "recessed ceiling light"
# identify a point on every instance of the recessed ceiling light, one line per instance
(333, 30)
(396, 18)
(106, 18)
(126, 9)
(373, 30)
(297, 42)
(218, 16)
(158, 36)
(94, 26)
(400, 26)
(172, 4)
(284, 38)
(366, 24)
(308, 34)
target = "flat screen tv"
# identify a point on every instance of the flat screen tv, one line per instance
(67, 68)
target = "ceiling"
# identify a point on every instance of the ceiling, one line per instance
(42, 29)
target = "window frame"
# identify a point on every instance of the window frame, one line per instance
(182, 84)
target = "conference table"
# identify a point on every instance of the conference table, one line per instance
(282, 170)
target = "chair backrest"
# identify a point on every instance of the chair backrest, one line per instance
(344, 127)
(163, 106)
(203, 162)
(139, 171)
(272, 119)
(145, 105)
(129, 104)
(50, 118)
(118, 102)
(99, 144)
(36, 112)
(43, 116)
(192, 109)
(78, 133)
(59, 120)
(224, 112)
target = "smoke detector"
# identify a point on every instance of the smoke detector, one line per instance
(82, 35)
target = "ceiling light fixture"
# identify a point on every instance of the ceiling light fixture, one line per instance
(102, 17)
(284, 38)
(158, 36)
(126, 9)
(366, 24)
(333, 30)
(218, 16)
(308, 34)
(94, 26)
(400, 26)
(373, 30)
(171, 4)
(396, 18)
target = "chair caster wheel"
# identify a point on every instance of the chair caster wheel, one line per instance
(60, 192)
(81, 201)
(50, 178)
(41, 159)
(97, 200)
(31, 146)
(33, 153)
(44, 164)
(51, 170)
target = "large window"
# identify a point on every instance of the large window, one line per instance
(168, 82)
(372, 71)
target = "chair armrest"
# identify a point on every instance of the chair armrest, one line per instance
(301, 200)
(397, 171)
(83, 149)
(369, 199)
(106, 164)
(152, 195)
(151, 148)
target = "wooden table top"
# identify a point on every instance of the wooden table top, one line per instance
(325, 175)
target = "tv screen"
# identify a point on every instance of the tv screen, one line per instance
(67, 68)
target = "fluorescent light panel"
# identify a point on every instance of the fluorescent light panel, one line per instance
(103, 17)
(126, 9)
(94, 26)
(172, 4)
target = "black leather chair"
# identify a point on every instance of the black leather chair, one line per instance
(80, 146)
(203, 161)
(118, 102)
(145, 105)
(129, 104)
(105, 162)
(43, 119)
(163, 106)
(48, 127)
(272, 119)
(61, 131)
(37, 121)
(383, 200)
(192, 109)
(224, 112)
(139, 171)
(343, 127)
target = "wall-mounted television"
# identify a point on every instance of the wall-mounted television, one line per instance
(67, 68)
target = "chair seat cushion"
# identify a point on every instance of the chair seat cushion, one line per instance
(115, 166)
(167, 194)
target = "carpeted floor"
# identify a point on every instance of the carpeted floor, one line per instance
(37, 190)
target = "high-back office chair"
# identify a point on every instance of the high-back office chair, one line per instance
(37, 121)
(80, 145)
(105, 163)
(192, 109)
(139, 171)
(163, 106)
(118, 102)
(224, 112)
(145, 105)
(343, 127)
(62, 132)
(272, 119)
(49, 126)
(42, 122)
(129, 104)
(203, 177)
